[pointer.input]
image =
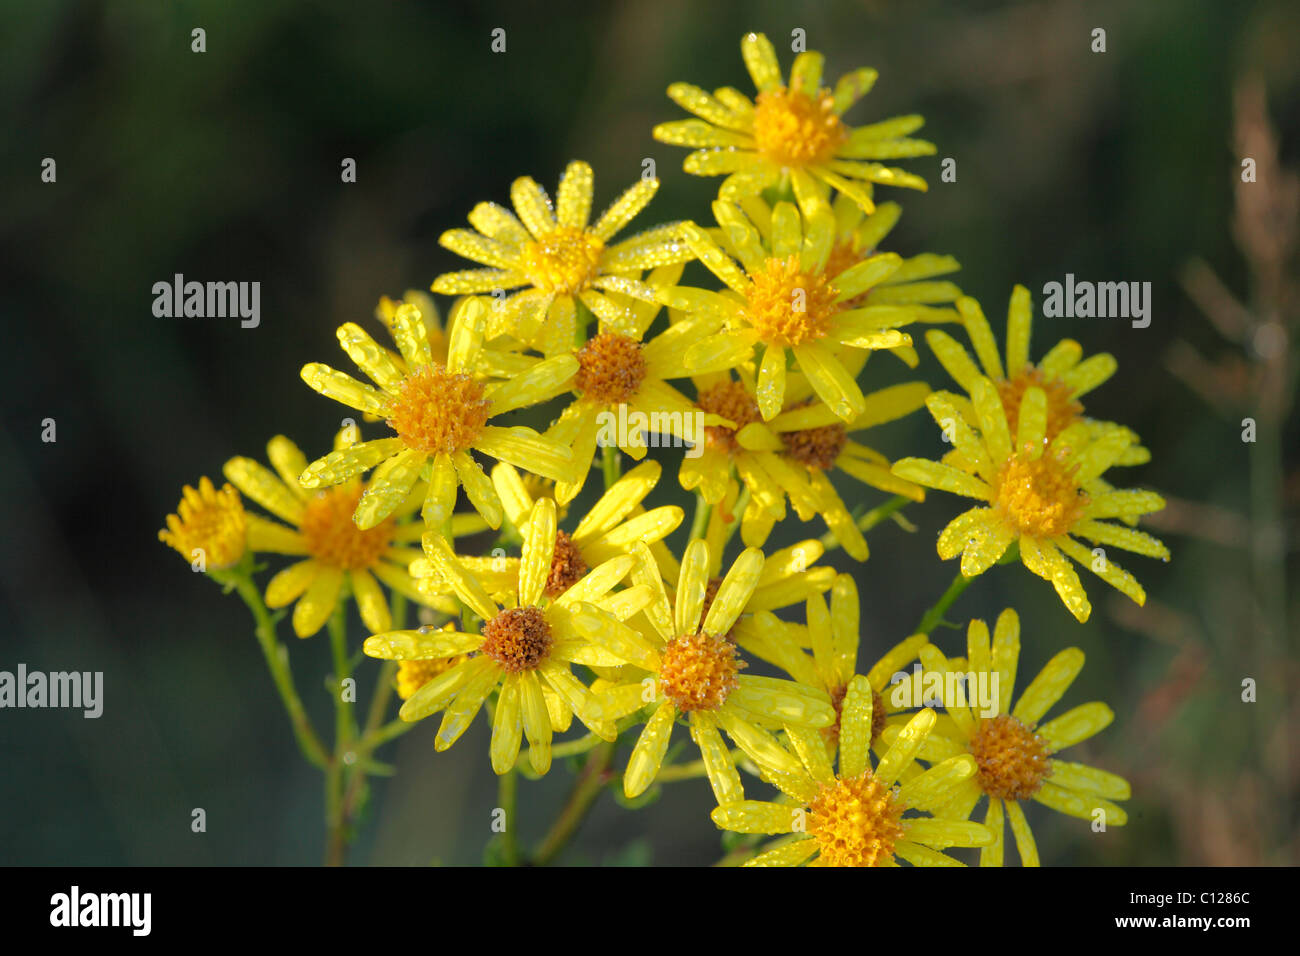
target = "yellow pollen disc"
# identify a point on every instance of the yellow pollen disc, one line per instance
(564, 260)
(1062, 411)
(567, 566)
(1039, 497)
(792, 128)
(412, 675)
(788, 306)
(208, 520)
(816, 447)
(438, 412)
(610, 368)
(1012, 759)
(856, 822)
(333, 537)
(518, 639)
(732, 401)
(698, 671)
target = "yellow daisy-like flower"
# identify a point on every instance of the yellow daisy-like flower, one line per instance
(833, 634)
(440, 414)
(1063, 375)
(1036, 491)
(792, 130)
(609, 529)
(556, 258)
(210, 527)
(338, 552)
(525, 649)
(692, 669)
(781, 296)
(793, 453)
(855, 817)
(622, 395)
(1013, 750)
(412, 675)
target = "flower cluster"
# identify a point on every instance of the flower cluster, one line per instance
(538, 603)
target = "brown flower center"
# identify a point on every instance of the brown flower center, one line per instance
(567, 566)
(1012, 759)
(610, 368)
(732, 401)
(518, 639)
(816, 447)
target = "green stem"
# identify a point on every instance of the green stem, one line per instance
(277, 662)
(869, 520)
(700, 523)
(611, 465)
(591, 780)
(934, 616)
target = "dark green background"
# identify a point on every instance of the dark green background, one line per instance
(225, 165)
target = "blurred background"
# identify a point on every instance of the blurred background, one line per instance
(1121, 165)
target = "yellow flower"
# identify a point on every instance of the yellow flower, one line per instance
(692, 669)
(609, 529)
(792, 454)
(1037, 492)
(793, 130)
(833, 635)
(338, 552)
(1063, 375)
(440, 414)
(525, 649)
(210, 527)
(412, 675)
(780, 295)
(1014, 753)
(556, 258)
(855, 817)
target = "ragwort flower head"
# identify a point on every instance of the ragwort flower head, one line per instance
(1013, 749)
(440, 413)
(793, 130)
(555, 258)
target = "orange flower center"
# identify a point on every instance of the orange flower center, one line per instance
(518, 639)
(788, 306)
(732, 401)
(1039, 497)
(1062, 410)
(856, 822)
(567, 566)
(698, 671)
(333, 537)
(792, 128)
(1012, 759)
(564, 260)
(438, 412)
(610, 368)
